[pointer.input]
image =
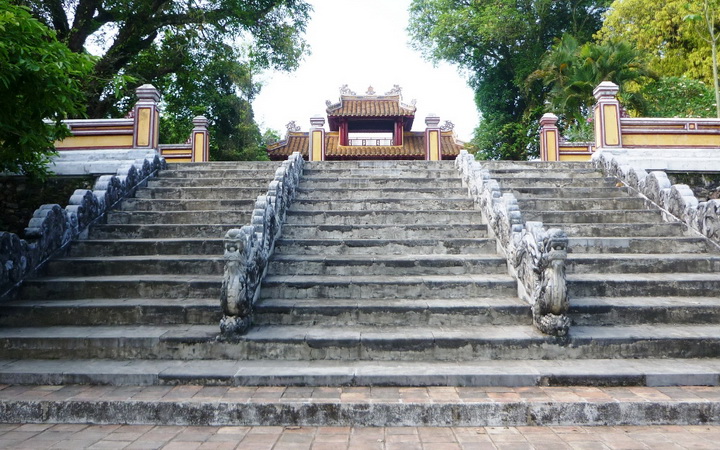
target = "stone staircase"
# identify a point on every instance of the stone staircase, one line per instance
(143, 280)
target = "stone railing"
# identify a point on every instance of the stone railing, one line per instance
(554, 148)
(677, 199)
(536, 256)
(248, 249)
(52, 228)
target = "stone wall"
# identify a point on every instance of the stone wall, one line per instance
(20, 197)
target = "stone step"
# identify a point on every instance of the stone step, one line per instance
(267, 173)
(388, 287)
(140, 204)
(382, 231)
(545, 405)
(175, 246)
(387, 217)
(325, 193)
(380, 164)
(225, 165)
(642, 263)
(136, 265)
(234, 217)
(662, 229)
(643, 284)
(122, 286)
(653, 245)
(613, 311)
(594, 216)
(394, 204)
(199, 193)
(380, 264)
(393, 312)
(582, 204)
(508, 181)
(533, 172)
(166, 231)
(544, 165)
(113, 311)
(257, 183)
(379, 183)
(569, 192)
(438, 246)
(374, 173)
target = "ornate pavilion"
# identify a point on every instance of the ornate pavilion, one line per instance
(369, 126)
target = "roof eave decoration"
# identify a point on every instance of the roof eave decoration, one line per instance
(405, 109)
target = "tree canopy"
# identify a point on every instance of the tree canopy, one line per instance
(498, 44)
(40, 84)
(201, 55)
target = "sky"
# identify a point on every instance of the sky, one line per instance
(363, 43)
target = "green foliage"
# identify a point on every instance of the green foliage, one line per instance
(499, 43)
(679, 97)
(572, 71)
(40, 79)
(201, 56)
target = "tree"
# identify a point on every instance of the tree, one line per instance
(705, 24)
(40, 84)
(660, 30)
(572, 72)
(201, 55)
(499, 43)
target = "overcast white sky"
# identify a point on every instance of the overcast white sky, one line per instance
(362, 43)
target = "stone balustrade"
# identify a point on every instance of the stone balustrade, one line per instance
(535, 255)
(52, 228)
(248, 249)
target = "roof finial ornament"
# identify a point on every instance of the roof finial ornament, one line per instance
(344, 90)
(292, 126)
(396, 90)
(448, 126)
(370, 91)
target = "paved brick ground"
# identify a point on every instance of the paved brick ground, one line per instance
(76, 436)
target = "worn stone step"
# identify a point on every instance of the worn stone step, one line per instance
(162, 231)
(258, 183)
(235, 217)
(535, 172)
(288, 264)
(643, 284)
(393, 312)
(569, 192)
(136, 265)
(328, 247)
(225, 165)
(613, 311)
(642, 263)
(380, 164)
(113, 311)
(582, 204)
(383, 231)
(390, 172)
(325, 193)
(594, 216)
(653, 244)
(387, 217)
(388, 287)
(122, 286)
(661, 229)
(395, 204)
(547, 404)
(199, 193)
(267, 173)
(379, 183)
(173, 246)
(544, 165)
(508, 181)
(139, 204)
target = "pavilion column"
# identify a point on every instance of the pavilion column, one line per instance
(433, 152)
(607, 116)
(549, 138)
(316, 146)
(343, 132)
(398, 135)
(146, 130)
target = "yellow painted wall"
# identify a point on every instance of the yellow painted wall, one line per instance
(611, 125)
(434, 146)
(316, 146)
(671, 140)
(111, 141)
(143, 121)
(199, 148)
(551, 147)
(575, 157)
